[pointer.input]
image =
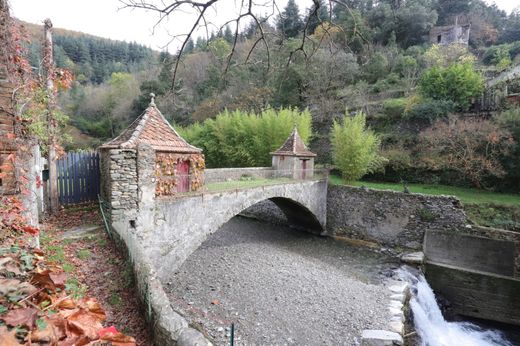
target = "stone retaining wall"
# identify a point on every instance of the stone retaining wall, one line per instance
(466, 251)
(497, 234)
(388, 217)
(477, 294)
(168, 327)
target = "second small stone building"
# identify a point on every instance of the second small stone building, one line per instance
(293, 158)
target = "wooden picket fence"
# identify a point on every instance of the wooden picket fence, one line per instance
(78, 177)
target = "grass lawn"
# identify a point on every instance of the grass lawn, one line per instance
(466, 195)
(243, 184)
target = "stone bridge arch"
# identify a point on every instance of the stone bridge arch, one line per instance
(179, 225)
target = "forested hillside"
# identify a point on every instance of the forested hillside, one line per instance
(377, 57)
(92, 59)
(95, 109)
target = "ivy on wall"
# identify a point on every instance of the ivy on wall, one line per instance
(168, 177)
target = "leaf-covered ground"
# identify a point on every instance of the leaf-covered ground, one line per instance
(76, 290)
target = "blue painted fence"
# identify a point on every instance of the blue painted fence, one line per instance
(78, 177)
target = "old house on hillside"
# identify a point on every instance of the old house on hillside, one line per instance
(444, 35)
(179, 166)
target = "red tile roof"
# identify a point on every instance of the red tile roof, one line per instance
(151, 128)
(294, 146)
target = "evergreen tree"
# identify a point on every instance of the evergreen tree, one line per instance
(289, 23)
(317, 16)
(165, 75)
(201, 43)
(190, 45)
(228, 34)
(449, 9)
(511, 31)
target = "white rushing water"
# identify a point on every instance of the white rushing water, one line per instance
(434, 330)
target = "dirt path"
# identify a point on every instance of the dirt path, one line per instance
(281, 287)
(75, 239)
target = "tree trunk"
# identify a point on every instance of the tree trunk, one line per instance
(48, 64)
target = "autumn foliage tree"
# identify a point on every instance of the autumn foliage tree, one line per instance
(472, 147)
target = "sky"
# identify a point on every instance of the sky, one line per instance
(107, 18)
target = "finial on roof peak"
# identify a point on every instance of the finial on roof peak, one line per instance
(152, 99)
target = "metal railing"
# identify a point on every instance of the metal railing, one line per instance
(191, 184)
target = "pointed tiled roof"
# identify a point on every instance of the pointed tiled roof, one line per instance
(151, 128)
(294, 146)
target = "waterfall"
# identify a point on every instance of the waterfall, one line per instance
(434, 330)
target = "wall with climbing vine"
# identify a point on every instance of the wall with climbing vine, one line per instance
(168, 177)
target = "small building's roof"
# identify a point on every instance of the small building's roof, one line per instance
(153, 129)
(294, 146)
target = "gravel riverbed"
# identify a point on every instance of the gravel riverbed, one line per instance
(281, 286)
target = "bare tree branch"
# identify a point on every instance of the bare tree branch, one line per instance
(248, 9)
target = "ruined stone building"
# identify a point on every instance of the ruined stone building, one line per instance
(444, 35)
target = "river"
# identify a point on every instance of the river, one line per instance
(281, 286)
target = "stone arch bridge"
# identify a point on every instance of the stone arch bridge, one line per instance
(180, 225)
(166, 230)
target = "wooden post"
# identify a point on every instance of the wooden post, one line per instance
(48, 65)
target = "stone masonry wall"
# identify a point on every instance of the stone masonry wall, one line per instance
(388, 217)
(104, 169)
(8, 143)
(121, 183)
(266, 211)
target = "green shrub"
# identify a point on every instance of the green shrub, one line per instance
(427, 215)
(394, 108)
(494, 215)
(380, 86)
(458, 83)
(376, 67)
(509, 120)
(393, 79)
(398, 159)
(494, 54)
(430, 110)
(355, 148)
(241, 139)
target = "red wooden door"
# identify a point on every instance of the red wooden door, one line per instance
(183, 177)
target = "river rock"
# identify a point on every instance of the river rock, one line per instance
(413, 258)
(380, 338)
